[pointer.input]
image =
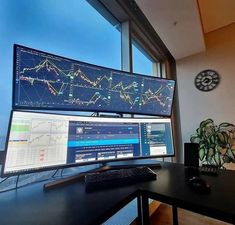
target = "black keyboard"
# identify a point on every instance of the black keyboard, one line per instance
(115, 178)
(209, 169)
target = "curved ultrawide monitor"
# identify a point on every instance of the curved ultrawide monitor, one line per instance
(42, 141)
(45, 81)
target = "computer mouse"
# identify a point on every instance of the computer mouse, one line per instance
(199, 185)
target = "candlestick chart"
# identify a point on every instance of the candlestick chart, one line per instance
(43, 80)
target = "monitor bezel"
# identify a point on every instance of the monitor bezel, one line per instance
(14, 106)
(35, 170)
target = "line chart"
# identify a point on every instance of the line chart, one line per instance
(46, 81)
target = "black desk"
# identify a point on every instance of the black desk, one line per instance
(72, 205)
(171, 187)
(68, 205)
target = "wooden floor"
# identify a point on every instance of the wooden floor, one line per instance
(163, 216)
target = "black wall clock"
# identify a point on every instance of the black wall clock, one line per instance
(207, 80)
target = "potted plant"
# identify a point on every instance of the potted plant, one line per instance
(216, 143)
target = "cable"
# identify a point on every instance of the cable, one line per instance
(17, 181)
(61, 172)
(53, 176)
(3, 180)
(30, 183)
(34, 182)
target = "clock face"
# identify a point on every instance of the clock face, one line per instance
(207, 80)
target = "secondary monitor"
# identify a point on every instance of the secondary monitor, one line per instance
(42, 141)
(45, 81)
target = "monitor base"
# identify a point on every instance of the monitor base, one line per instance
(104, 167)
(134, 163)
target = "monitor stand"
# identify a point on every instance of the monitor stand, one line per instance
(133, 163)
(104, 167)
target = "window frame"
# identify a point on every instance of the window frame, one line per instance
(142, 31)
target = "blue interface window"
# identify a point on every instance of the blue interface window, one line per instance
(90, 141)
(156, 139)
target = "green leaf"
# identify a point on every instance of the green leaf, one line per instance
(207, 128)
(230, 154)
(232, 134)
(209, 159)
(201, 153)
(201, 144)
(223, 138)
(194, 138)
(220, 137)
(205, 122)
(212, 139)
(218, 149)
(226, 159)
(199, 132)
(217, 159)
(224, 125)
(208, 141)
(226, 137)
(211, 152)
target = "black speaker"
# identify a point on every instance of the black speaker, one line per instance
(191, 155)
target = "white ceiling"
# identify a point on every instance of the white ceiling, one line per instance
(178, 24)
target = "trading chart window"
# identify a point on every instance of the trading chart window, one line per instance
(46, 81)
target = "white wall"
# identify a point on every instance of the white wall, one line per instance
(218, 104)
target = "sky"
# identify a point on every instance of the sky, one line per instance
(71, 28)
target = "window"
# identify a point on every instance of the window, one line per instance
(141, 63)
(144, 64)
(75, 29)
(71, 28)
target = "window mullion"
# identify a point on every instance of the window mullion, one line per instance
(126, 49)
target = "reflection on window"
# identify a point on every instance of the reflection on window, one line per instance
(141, 63)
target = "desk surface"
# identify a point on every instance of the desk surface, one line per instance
(68, 205)
(72, 205)
(172, 188)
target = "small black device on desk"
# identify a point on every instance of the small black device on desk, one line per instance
(209, 170)
(199, 185)
(115, 178)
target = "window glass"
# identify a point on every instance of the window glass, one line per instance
(163, 70)
(70, 28)
(141, 63)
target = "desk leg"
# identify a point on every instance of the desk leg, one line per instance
(175, 215)
(145, 210)
(139, 208)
